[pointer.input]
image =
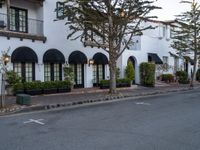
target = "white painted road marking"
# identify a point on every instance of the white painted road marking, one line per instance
(38, 121)
(142, 103)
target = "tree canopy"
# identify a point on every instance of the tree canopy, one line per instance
(186, 33)
(107, 24)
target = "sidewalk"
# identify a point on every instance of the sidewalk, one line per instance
(90, 95)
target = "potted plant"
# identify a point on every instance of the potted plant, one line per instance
(104, 84)
(63, 86)
(33, 88)
(49, 87)
(11, 78)
(18, 88)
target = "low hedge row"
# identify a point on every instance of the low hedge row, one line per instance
(167, 77)
(123, 82)
(182, 77)
(40, 86)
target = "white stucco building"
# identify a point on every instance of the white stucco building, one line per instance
(39, 47)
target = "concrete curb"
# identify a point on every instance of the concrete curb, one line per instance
(76, 104)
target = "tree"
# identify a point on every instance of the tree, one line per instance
(186, 33)
(107, 24)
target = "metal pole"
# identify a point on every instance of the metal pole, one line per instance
(2, 91)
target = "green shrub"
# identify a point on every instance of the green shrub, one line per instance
(32, 85)
(63, 84)
(182, 77)
(167, 77)
(104, 82)
(198, 75)
(18, 86)
(129, 71)
(12, 77)
(49, 85)
(147, 74)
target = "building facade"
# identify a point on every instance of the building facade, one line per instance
(39, 47)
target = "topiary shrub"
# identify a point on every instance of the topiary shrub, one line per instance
(129, 71)
(198, 75)
(182, 77)
(147, 74)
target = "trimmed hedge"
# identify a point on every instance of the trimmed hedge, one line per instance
(182, 77)
(36, 85)
(198, 75)
(167, 77)
(123, 82)
(147, 74)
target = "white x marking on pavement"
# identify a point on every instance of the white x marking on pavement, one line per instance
(38, 121)
(142, 103)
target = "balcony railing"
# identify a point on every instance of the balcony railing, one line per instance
(34, 27)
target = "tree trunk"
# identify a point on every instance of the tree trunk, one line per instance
(194, 70)
(112, 66)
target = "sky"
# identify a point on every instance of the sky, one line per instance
(170, 8)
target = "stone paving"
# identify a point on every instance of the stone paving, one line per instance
(90, 95)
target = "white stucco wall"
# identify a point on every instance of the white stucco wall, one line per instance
(56, 32)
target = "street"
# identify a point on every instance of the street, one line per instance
(165, 122)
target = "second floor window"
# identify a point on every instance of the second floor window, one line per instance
(18, 20)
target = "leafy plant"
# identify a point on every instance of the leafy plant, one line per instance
(147, 74)
(182, 77)
(49, 85)
(32, 85)
(12, 77)
(167, 77)
(63, 84)
(18, 86)
(129, 71)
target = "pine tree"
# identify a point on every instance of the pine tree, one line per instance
(186, 33)
(107, 24)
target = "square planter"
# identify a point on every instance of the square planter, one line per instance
(50, 91)
(34, 92)
(64, 90)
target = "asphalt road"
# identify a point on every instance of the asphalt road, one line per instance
(166, 122)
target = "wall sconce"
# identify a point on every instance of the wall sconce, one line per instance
(6, 59)
(91, 62)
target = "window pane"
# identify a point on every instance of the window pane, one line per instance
(18, 68)
(94, 73)
(29, 72)
(56, 72)
(47, 72)
(79, 74)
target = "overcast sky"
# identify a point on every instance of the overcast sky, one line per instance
(170, 8)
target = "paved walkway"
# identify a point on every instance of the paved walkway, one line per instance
(88, 95)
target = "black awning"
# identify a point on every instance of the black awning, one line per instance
(77, 57)
(100, 58)
(189, 59)
(24, 54)
(53, 56)
(152, 57)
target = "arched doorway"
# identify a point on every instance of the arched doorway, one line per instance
(77, 60)
(24, 59)
(100, 61)
(53, 60)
